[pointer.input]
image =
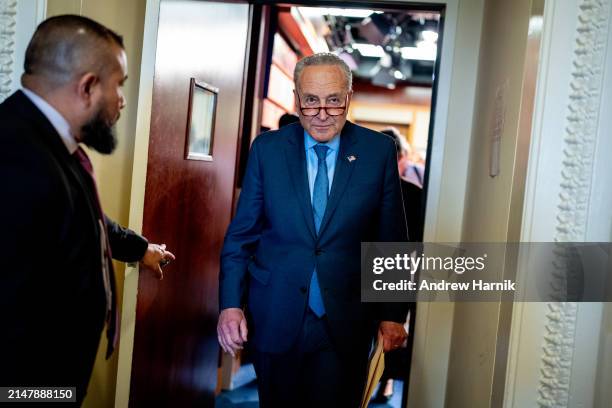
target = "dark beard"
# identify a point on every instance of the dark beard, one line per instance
(98, 135)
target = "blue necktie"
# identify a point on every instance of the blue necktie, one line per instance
(319, 202)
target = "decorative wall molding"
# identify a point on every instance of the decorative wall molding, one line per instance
(8, 30)
(556, 365)
(579, 140)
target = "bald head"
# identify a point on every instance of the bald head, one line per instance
(64, 47)
(79, 67)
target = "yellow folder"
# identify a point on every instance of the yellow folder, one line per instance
(376, 366)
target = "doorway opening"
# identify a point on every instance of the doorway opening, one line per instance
(393, 52)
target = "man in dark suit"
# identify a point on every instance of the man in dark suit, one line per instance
(312, 192)
(57, 284)
(397, 362)
(412, 194)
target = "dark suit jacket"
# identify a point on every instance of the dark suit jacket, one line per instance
(52, 299)
(272, 237)
(412, 196)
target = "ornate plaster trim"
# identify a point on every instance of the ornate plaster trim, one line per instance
(8, 26)
(579, 139)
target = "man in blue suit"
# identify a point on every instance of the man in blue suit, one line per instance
(313, 191)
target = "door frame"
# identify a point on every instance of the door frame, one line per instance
(448, 166)
(137, 197)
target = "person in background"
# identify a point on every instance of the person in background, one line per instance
(312, 192)
(287, 119)
(410, 169)
(397, 362)
(57, 285)
(412, 193)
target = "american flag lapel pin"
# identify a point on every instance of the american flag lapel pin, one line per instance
(351, 158)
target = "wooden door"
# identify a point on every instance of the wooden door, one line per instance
(188, 203)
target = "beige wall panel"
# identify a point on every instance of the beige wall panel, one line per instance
(57, 7)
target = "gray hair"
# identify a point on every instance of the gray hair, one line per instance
(323, 58)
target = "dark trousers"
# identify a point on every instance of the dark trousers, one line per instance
(312, 373)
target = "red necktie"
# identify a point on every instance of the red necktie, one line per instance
(108, 276)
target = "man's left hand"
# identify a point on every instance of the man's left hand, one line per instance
(393, 335)
(155, 257)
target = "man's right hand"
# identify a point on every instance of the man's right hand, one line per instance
(232, 330)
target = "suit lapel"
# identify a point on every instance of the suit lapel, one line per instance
(342, 174)
(296, 163)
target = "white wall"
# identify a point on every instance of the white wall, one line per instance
(19, 20)
(603, 391)
(554, 347)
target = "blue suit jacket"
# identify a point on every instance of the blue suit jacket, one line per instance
(271, 247)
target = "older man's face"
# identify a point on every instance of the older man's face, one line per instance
(322, 86)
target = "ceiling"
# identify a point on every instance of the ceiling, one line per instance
(388, 49)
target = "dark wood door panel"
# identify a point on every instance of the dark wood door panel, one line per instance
(188, 203)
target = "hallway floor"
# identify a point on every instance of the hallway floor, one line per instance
(244, 394)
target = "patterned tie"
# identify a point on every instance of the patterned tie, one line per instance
(319, 202)
(108, 276)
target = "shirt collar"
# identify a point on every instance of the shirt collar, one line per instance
(310, 142)
(57, 120)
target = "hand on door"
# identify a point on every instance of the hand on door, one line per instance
(232, 330)
(156, 257)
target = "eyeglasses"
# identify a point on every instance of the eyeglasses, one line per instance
(315, 110)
